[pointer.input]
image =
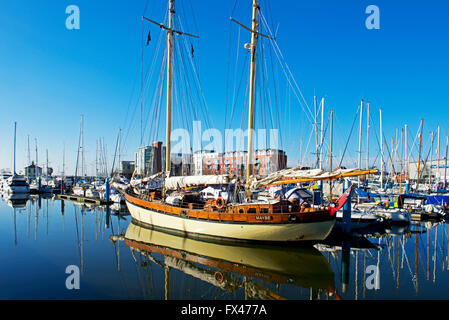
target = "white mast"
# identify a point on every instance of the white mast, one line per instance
(431, 158)
(406, 154)
(381, 151)
(36, 171)
(360, 144)
(316, 131)
(367, 137)
(438, 154)
(322, 133)
(119, 141)
(29, 156)
(445, 165)
(14, 157)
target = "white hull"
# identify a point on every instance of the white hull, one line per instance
(311, 231)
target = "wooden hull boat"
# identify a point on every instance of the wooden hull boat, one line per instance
(269, 222)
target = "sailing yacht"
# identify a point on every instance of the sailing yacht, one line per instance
(4, 175)
(16, 183)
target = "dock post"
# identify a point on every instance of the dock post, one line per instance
(345, 261)
(108, 189)
(347, 209)
(108, 216)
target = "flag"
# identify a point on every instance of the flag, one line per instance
(342, 201)
(149, 37)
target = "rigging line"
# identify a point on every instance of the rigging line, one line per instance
(157, 97)
(236, 84)
(276, 96)
(324, 135)
(185, 90)
(414, 141)
(145, 8)
(244, 109)
(262, 90)
(227, 75)
(279, 56)
(149, 72)
(238, 91)
(187, 86)
(233, 8)
(307, 147)
(204, 106)
(349, 136)
(157, 102)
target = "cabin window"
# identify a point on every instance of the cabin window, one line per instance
(241, 211)
(264, 210)
(252, 210)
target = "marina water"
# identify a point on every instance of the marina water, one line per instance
(40, 237)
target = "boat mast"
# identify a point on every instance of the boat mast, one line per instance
(360, 145)
(419, 156)
(29, 156)
(316, 132)
(406, 155)
(445, 165)
(367, 137)
(14, 157)
(400, 174)
(381, 152)
(46, 173)
(171, 11)
(322, 133)
(36, 171)
(252, 85)
(330, 156)
(119, 141)
(438, 154)
(431, 158)
(82, 146)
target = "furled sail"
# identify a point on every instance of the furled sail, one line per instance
(179, 182)
(294, 175)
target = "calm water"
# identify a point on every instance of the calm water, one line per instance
(40, 237)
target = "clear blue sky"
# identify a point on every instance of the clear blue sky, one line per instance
(50, 75)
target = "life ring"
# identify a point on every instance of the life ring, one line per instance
(220, 203)
(219, 277)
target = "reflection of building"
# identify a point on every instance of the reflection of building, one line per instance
(234, 163)
(150, 160)
(127, 168)
(33, 171)
(437, 169)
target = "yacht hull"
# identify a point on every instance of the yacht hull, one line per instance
(233, 231)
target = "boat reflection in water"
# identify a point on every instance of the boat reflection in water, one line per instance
(231, 267)
(17, 200)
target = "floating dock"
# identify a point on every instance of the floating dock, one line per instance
(72, 197)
